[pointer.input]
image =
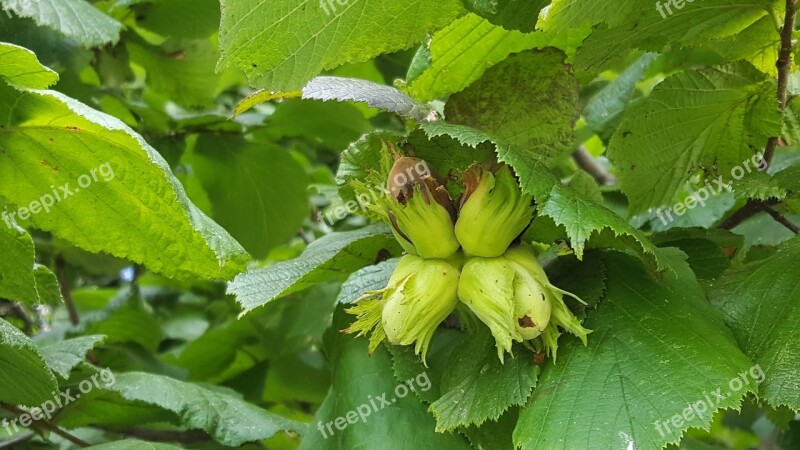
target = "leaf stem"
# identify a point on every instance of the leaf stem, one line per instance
(586, 161)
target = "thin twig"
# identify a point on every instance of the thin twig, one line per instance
(781, 219)
(44, 425)
(589, 164)
(784, 65)
(63, 283)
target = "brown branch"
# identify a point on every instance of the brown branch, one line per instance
(784, 65)
(586, 161)
(47, 426)
(781, 219)
(63, 283)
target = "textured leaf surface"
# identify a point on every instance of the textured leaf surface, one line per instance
(23, 373)
(21, 67)
(529, 102)
(330, 258)
(133, 204)
(21, 279)
(477, 387)
(370, 278)
(376, 95)
(654, 349)
(639, 24)
(761, 303)
(283, 44)
(462, 52)
(228, 419)
(76, 19)
(705, 119)
(63, 356)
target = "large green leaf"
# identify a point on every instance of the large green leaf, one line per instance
(97, 174)
(23, 373)
(761, 303)
(655, 351)
(282, 44)
(462, 52)
(228, 419)
(63, 356)
(639, 24)
(21, 278)
(396, 411)
(708, 119)
(477, 387)
(528, 102)
(76, 19)
(257, 191)
(331, 257)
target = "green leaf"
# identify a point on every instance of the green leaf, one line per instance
(581, 218)
(257, 191)
(27, 379)
(761, 303)
(76, 19)
(519, 15)
(181, 71)
(22, 68)
(376, 95)
(477, 387)
(282, 45)
(655, 350)
(606, 108)
(229, 420)
(708, 119)
(529, 102)
(21, 279)
(130, 324)
(639, 24)
(333, 125)
(328, 258)
(63, 356)
(370, 278)
(133, 444)
(404, 415)
(198, 18)
(119, 187)
(462, 52)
